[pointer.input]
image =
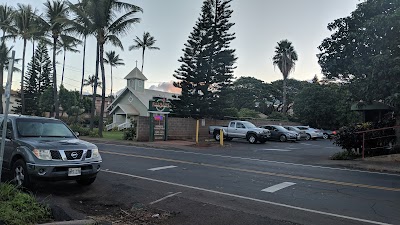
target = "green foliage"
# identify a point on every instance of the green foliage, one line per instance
(37, 80)
(244, 112)
(364, 51)
(344, 155)
(93, 134)
(46, 100)
(324, 106)
(231, 112)
(207, 63)
(130, 133)
(81, 130)
(277, 116)
(20, 208)
(69, 101)
(376, 142)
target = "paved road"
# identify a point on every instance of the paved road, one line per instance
(272, 183)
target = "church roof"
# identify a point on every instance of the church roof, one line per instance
(135, 74)
(127, 108)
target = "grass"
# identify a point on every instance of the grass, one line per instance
(111, 135)
(344, 155)
(17, 207)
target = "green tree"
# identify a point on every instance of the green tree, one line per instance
(285, 59)
(37, 80)
(207, 63)
(248, 113)
(55, 15)
(293, 88)
(364, 51)
(147, 42)
(46, 100)
(67, 43)
(25, 25)
(68, 101)
(100, 17)
(91, 82)
(113, 60)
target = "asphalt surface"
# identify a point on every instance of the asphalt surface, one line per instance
(271, 183)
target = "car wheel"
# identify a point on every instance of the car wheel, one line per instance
(217, 137)
(308, 137)
(325, 136)
(252, 139)
(20, 174)
(86, 181)
(282, 138)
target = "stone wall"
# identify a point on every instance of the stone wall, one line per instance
(185, 128)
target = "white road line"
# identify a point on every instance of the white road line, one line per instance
(274, 149)
(162, 168)
(306, 144)
(163, 198)
(258, 160)
(292, 148)
(278, 187)
(251, 199)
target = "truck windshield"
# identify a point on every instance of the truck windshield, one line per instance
(43, 128)
(249, 125)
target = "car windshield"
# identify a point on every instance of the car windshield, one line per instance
(280, 128)
(295, 129)
(249, 125)
(43, 128)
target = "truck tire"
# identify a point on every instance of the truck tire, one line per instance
(252, 138)
(20, 174)
(217, 137)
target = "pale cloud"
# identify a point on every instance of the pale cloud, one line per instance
(166, 86)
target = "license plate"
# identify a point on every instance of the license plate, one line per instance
(74, 172)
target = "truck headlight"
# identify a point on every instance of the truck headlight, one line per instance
(42, 154)
(95, 153)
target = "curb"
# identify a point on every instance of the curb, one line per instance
(73, 222)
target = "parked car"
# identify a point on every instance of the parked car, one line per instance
(279, 133)
(241, 129)
(38, 148)
(302, 133)
(328, 134)
(311, 132)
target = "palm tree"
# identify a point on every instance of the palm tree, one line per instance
(67, 43)
(114, 61)
(55, 13)
(146, 43)
(100, 17)
(285, 59)
(25, 28)
(6, 20)
(80, 26)
(90, 82)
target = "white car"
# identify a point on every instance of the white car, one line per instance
(311, 132)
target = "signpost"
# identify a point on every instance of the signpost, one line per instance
(159, 108)
(7, 94)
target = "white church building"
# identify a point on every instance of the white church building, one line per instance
(133, 100)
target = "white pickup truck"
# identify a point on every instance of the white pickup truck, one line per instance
(241, 129)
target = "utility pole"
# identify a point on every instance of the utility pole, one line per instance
(7, 94)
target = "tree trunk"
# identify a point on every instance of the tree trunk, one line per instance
(55, 93)
(92, 111)
(22, 80)
(83, 66)
(1, 87)
(284, 108)
(111, 80)
(62, 74)
(103, 90)
(398, 129)
(143, 59)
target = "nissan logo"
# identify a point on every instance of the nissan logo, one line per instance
(74, 155)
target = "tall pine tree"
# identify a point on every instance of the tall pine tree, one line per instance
(207, 64)
(37, 80)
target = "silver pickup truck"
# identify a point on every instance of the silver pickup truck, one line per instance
(241, 129)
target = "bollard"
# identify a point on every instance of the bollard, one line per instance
(221, 137)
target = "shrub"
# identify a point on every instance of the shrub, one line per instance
(248, 113)
(130, 133)
(344, 155)
(277, 116)
(93, 134)
(20, 208)
(81, 130)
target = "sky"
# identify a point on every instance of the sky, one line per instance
(259, 25)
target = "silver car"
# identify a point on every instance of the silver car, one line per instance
(311, 132)
(302, 133)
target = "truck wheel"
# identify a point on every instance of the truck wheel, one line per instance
(308, 137)
(86, 181)
(252, 139)
(217, 137)
(282, 138)
(20, 174)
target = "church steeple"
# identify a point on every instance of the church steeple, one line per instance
(135, 79)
